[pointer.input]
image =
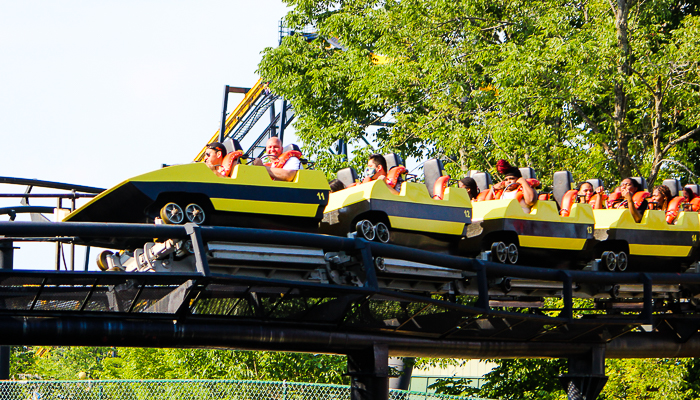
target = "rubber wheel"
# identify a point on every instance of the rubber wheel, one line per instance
(102, 260)
(172, 214)
(621, 261)
(365, 229)
(499, 252)
(195, 213)
(512, 253)
(609, 260)
(382, 232)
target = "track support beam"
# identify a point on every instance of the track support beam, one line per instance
(369, 373)
(7, 252)
(586, 377)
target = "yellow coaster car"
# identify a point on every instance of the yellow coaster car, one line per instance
(193, 193)
(650, 245)
(542, 237)
(412, 218)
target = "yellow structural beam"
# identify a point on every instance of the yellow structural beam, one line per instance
(235, 117)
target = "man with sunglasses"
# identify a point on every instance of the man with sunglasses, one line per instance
(214, 155)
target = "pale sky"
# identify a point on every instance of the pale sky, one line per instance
(95, 92)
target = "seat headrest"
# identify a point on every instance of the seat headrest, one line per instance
(641, 181)
(291, 147)
(483, 180)
(528, 173)
(674, 185)
(347, 175)
(232, 145)
(596, 183)
(561, 183)
(392, 160)
(695, 188)
(432, 170)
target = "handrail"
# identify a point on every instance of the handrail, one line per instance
(49, 184)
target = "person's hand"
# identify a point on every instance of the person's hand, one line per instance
(499, 186)
(381, 177)
(625, 192)
(599, 190)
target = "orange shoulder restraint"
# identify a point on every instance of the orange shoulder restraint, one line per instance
(673, 207)
(439, 187)
(227, 164)
(567, 202)
(392, 178)
(283, 158)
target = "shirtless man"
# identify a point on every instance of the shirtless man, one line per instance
(214, 155)
(279, 169)
(376, 170)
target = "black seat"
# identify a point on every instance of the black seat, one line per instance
(347, 175)
(291, 147)
(674, 185)
(232, 145)
(432, 170)
(561, 183)
(528, 173)
(695, 188)
(596, 183)
(392, 160)
(641, 181)
(483, 179)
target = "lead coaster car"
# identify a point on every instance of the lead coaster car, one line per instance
(413, 218)
(650, 245)
(540, 238)
(193, 193)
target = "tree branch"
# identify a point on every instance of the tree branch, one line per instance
(680, 139)
(651, 89)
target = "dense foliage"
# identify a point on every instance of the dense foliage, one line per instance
(147, 363)
(607, 89)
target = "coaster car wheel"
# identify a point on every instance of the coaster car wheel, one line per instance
(382, 232)
(609, 260)
(499, 251)
(365, 229)
(195, 213)
(172, 214)
(512, 253)
(621, 261)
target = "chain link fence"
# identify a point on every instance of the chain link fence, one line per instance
(188, 390)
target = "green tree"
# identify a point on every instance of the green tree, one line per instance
(599, 88)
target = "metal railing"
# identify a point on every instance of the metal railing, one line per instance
(189, 390)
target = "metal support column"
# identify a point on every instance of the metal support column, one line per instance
(404, 368)
(369, 373)
(222, 129)
(586, 377)
(273, 116)
(59, 248)
(283, 120)
(6, 260)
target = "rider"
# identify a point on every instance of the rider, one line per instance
(513, 183)
(628, 187)
(214, 155)
(469, 184)
(282, 166)
(376, 170)
(586, 192)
